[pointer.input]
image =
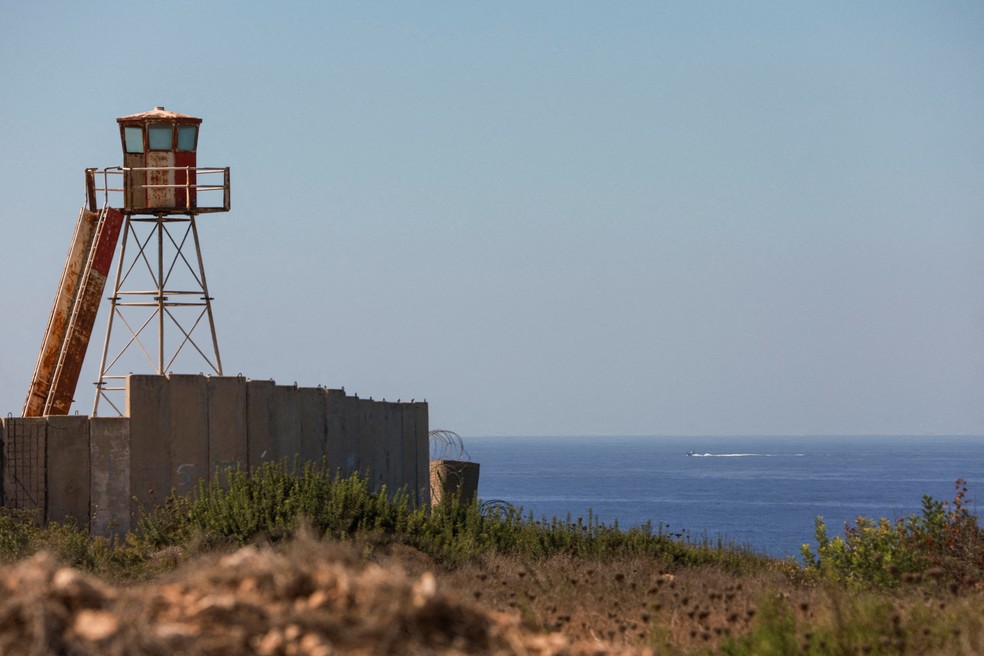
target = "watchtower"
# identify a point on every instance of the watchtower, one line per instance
(159, 160)
(161, 194)
(161, 310)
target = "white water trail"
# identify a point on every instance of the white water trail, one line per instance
(746, 455)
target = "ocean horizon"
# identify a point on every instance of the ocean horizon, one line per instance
(763, 492)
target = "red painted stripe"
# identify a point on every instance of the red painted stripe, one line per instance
(106, 241)
(182, 177)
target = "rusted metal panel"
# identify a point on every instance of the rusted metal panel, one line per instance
(160, 180)
(109, 234)
(54, 338)
(134, 181)
(90, 189)
(83, 315)
(185, 179)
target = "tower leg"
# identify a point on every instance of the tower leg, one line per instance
(156, 274)
(205, 297)
(113, 299)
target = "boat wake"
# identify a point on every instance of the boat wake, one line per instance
(694, 454)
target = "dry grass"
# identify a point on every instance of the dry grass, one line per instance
(457, 581)
(310, 599)
(639, 603)
(313, 598)
(629, 602)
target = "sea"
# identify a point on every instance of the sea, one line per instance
(763, 493)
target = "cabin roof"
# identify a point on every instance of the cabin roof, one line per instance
(158, 113)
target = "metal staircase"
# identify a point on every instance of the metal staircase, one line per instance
(73, 315)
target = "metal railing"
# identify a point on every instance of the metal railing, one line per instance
(120, 180)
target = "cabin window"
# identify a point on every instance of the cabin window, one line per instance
(159, 137)
(187, 136)
(133, 139)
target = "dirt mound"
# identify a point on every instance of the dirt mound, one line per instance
(311, 600)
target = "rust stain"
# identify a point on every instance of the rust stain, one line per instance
(68, 289)
(74, 314)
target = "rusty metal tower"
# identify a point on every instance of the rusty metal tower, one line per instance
(160, 305)
(160, 296)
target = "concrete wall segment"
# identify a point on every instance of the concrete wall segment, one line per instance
(371, 464)
(390, 444)
(260, 445)
(408, 437)
(109, 455)
(341, 443)
(286, 423)
(422, 441)
(68, 469)
(311, 411)
(107, 471)
(24, 464)
(148, 405)
(3, 466)
(188, 437)
(226, 424)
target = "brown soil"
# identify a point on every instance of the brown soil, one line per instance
(311, 599)
(314, 598)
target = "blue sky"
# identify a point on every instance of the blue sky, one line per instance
(544, 218)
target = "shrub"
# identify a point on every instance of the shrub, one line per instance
(272, 501)
(945, 541)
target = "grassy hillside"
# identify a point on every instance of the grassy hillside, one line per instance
(905, 586)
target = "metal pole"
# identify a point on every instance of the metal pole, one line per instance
(206, 297)
(112, 313)
(160, 295)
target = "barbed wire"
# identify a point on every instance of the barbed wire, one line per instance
(447, 445)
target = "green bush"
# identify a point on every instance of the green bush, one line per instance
(944, 542)
(274, 500)
(271, 502)
(18, 535)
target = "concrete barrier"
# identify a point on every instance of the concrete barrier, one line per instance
(226, 425)
(106, 472)
(453, 478)
(341, 454)
(68, 469)
(109, 457)
(24, 474)
(148, 405)
(311, 443)
(260, 443)
(188, 437)
(422, 454)
(286, 428)
(370, 457)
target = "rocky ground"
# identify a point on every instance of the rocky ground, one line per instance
(311, 599)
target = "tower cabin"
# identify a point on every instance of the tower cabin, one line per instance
(159, 162)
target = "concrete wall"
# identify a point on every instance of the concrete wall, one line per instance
(104, 472)
(24, 472)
